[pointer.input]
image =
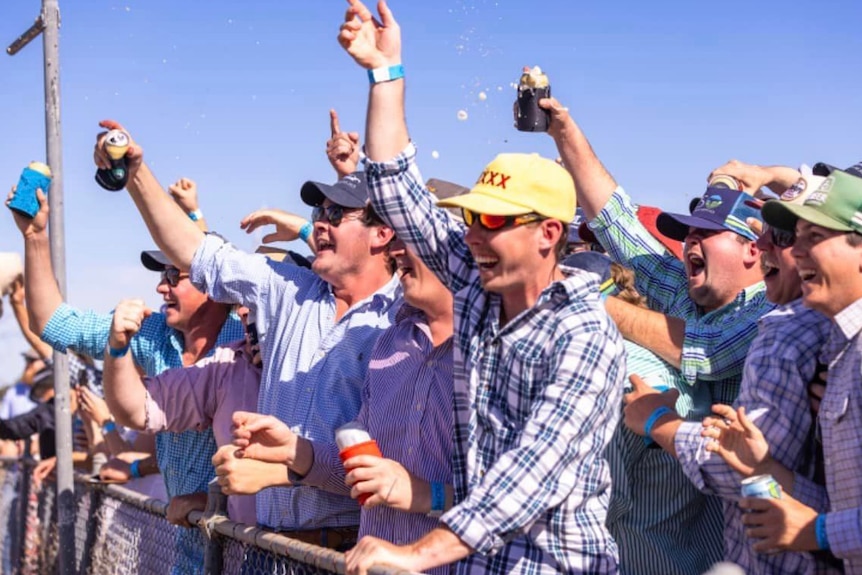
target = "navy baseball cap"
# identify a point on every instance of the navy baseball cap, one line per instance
(717, 209)
(823, 169)
(155, 260)
(351, 191)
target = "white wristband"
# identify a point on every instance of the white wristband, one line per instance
(385, 74)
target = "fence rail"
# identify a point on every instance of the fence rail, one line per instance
(121, 532)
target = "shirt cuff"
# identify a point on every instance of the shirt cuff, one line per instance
(688, 444)
(468, 526)
(842, 530)
(619, 205)
(396, 165)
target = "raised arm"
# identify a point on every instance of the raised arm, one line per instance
(594, 183)
(185, 193)
(43, 295)
(22, 316)
(175, 234)
(124, 389)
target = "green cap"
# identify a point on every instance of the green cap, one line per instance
(836, 205)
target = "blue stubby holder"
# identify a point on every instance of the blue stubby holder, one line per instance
(24, 201)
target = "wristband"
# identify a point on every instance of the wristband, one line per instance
(386, 74)
(109, 426)
(114, 352)
(135, 469)
(820, 531)
(305, 231)
(195, 215)
(650, 422)
(438, 499)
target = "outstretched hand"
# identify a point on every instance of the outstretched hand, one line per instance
(342, 148)
(134, 155)
(287, 225)
(370, 42)
(30, 227)
(736, 439)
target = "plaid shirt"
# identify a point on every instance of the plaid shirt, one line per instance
(840, 421)
(775, 395)
(535, 401)
(715, 344)
(185, 459)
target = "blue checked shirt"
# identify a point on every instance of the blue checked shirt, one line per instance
(535, 401)
(715, 344)
(781, 363)
(313, 366)
(840, 422)
(185, 459)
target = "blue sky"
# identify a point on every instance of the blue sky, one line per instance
(235, 95)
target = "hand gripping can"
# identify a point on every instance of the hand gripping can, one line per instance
(761, 487)
(725, 181)
(532, 87)
(35, 175)
(353, 440)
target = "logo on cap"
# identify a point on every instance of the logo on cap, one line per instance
(710, 203)
(795, 190)
(820, 194)
(490, 178)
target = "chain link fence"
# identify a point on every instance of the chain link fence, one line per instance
(120, 532)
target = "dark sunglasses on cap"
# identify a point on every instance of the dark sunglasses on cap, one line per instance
(334, 214)
(492, 222)
(780, 238)
(173, 276)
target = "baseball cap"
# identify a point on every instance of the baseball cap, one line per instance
(717, 209)
(515, 184)
(155, 260)
(836, 204)
(351, 191)
(443, 190)
(823, 169)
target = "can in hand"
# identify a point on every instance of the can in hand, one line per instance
(725, 181)
(352, 440)
(761, 487)
(532, 87)
(35, 176)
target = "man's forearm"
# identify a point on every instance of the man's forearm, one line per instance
(440, 546)
(43, 295)
(172, 230)
(593, 182)
(661, 334)
(124, 391)
(386, 126)
(23, 318)
(782, 177)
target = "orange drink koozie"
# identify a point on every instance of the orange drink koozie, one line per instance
(353, 440)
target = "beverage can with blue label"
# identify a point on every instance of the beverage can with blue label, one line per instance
(761, 487)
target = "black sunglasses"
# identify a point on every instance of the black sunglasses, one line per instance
(173, 276)
(334, 214)
(781, 238)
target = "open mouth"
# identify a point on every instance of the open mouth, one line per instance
(486, 262)
(807, 275)
(324, 245)
(769, 269)
(696, 265)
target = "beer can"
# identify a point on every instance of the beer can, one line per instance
(725, 181)
(761, 487)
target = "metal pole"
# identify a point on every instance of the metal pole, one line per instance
(65, 481)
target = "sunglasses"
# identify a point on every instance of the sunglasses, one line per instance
(173, 276)
(780, 238)
(492, 222)
(334, 214)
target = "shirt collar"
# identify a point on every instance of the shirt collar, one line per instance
(849, 319)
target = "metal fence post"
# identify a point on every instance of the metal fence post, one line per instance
(216, 507)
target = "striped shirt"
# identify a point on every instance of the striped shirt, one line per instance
(715, 344)
(535, 401)
(407, 408)
(313, 366)
(840, 422)
(185, 459)
(775, 394)
(661, 522)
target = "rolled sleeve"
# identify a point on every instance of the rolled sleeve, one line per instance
(85, 332)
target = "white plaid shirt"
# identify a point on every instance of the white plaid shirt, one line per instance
(536, 401)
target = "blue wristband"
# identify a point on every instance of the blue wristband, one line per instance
(820, 531)
(196, 215)
(135, 468)
(438, 499)
(386, 74)
(108, 427)
(114, 352)
(650, 422)
(305, 231)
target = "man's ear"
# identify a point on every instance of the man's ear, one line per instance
(751, 254)
(381, 236)
(551, 232)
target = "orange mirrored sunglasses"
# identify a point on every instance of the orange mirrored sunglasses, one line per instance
(493, 222)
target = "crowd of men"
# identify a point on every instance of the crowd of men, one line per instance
(539, 408)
